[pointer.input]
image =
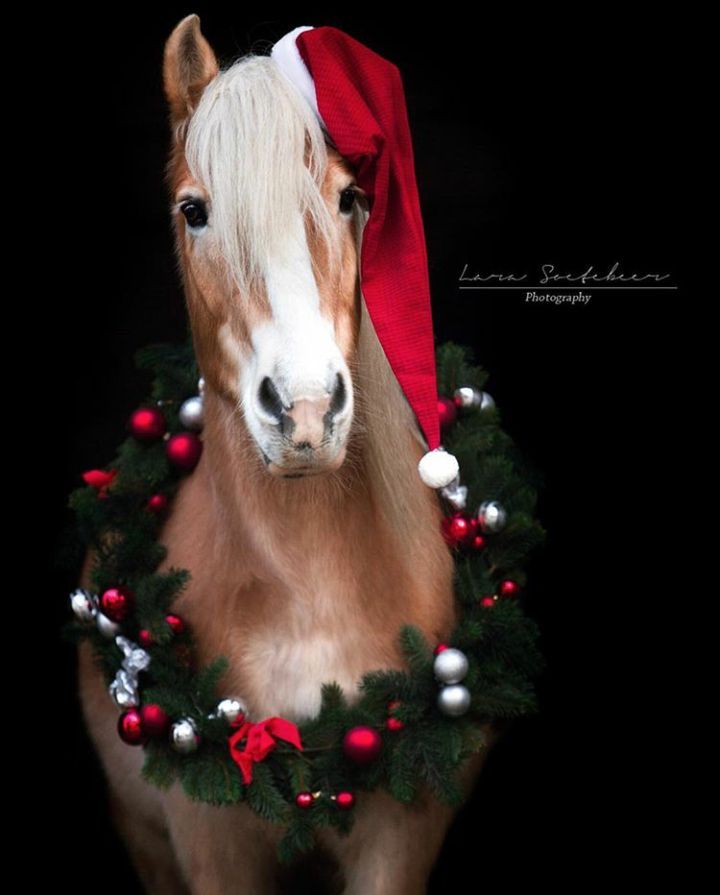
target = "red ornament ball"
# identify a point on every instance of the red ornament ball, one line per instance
(145, 638)
(509, 588)
(392, 723)
(458, 529)
(183, 450)
(447, 411)
(155, 721)
(362, 744)
(147, 424)
(176, 624)
(477, 543)
(304, 799)
(440, 648)
(345, 800)
(130, 728)
(117, 603)
(487, 601)
(157, 504)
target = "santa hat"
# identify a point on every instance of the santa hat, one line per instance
(359, 101)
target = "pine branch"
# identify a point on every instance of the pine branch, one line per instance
(299, 836)
(211, 776)
(264, 797)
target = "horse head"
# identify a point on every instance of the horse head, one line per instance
(268, 220)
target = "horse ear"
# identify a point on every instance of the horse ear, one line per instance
(189, 66)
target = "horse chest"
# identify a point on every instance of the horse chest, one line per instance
(286, 665)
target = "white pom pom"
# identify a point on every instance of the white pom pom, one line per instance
(438, 468)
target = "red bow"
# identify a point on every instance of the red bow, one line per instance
(260, 742)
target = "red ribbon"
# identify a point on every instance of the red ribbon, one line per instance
(260, 742)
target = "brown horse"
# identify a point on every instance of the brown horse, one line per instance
(308, 534)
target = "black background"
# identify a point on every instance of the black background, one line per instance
(537, 140)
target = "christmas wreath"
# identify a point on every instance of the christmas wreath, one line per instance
(409, 728)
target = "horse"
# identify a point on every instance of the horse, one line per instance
(309, 537)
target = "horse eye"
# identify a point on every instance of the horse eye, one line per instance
(347, 200)
(195, 213)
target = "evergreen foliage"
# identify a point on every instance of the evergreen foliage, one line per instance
(501, 641)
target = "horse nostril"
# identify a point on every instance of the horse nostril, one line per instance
(270, 399)
(339, 396)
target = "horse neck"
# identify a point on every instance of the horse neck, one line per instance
(373, 511)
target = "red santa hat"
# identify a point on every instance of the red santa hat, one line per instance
(359, 100)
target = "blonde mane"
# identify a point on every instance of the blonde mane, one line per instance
(258, 148)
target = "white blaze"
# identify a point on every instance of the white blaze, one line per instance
(297, 347)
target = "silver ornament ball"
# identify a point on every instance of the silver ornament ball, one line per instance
(201, 385)
(487, 402)
(467, 396)
(454, 701)
(106, 627)
(183, 736)
(191, 413)
(450, 666)
(83, 605)
(492, 516)
(230, 709)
